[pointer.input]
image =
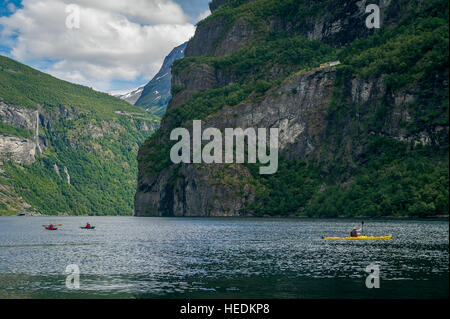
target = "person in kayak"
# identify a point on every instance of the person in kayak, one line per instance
(355, 232)
(51, 226)
(88, 225)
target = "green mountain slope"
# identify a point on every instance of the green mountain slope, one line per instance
(84, 148)
(371, 141)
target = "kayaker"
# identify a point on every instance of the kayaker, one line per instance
(88, 225)
(51, 226)
(355, 232)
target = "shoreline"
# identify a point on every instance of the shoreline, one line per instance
(310, 217)
(254, 217)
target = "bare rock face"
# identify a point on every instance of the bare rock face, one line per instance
(237, 37)
(204, 41)
(342, 22)
(218, 38)
(297, 108)
(223, 190)
(196, 190)
(17, 150)
(338, 26)
(196, 77)
(191, 80)
(13, 148)
(16, 116)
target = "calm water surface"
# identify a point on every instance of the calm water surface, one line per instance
(130, 257)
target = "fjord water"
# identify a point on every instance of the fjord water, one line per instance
(130, 257)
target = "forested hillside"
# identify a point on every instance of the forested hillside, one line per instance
(65, 148)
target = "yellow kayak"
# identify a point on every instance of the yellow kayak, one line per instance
(360, 237)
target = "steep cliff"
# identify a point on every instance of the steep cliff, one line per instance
(65, 148)
(22, 142)
(366, 137)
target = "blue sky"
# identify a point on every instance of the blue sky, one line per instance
(193, 8)
(4, 10)
(117, 45)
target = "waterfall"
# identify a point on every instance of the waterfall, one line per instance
(67, 175)
(36, 134)
(56, 168)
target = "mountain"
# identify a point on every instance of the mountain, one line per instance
(155, 95)
(65, 148)
(131, 97)
(365, 137)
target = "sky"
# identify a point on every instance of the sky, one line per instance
(112, 46)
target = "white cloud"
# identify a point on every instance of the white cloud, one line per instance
(117, 40)
(204, 15)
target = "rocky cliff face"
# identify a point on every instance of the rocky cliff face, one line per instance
(17, 116)
(20, 150)
(218, 190)
(216, 39)
(16, 149)
(336, 23)
(196, 191)
(325, 116)
(301, 106)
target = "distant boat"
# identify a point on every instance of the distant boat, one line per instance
(91, 227)
(22, 213)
